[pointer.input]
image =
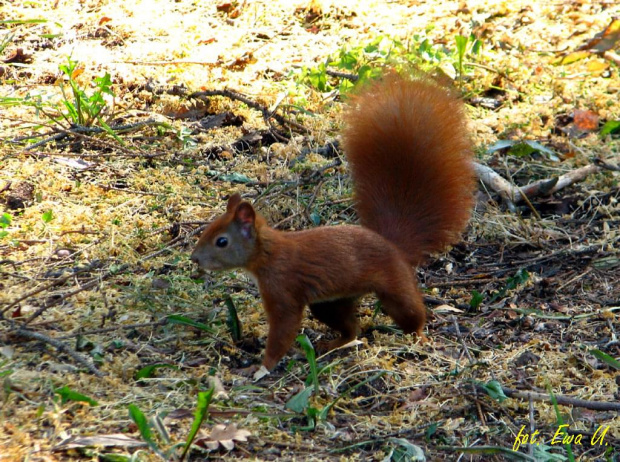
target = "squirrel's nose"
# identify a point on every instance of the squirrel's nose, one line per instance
(194, 258)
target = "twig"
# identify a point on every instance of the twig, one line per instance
(61, 346)
(343, 75)
(56, 137)
(471, 362)
(512, 194)
(461, 340)
(161, 322)
(546, 187)
(35, 292)
(606, 165)
(83, 131)
(177, 241)
(497, 183)
(87, 285)
(564, 400)
(203, 95)
(6, 186)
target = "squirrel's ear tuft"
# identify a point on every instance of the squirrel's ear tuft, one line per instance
(233, 202)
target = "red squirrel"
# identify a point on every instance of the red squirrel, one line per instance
(409, 152)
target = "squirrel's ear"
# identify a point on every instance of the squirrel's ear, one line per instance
(245, 216)
(233, 201)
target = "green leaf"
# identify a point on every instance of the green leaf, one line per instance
(143, 426)
(318, 78)
(476, 300)
(178, 319)
(402, 450)
(364, 73)
(306, 345)
(5, 220)
(500, 144)
(461, 45)
(315, 218)
(299, 402)
(104, 84)
(513, 282)
(66, 394)
(542, 149)
(47, 216)
(235, 178)
(430, 431)
(348, 60)
(148, 371)
(522, 150)
(23, 21)
(611, 127)
(476, 46)
(494, 390)
(232, 320)
(606, 359)
(201, 413)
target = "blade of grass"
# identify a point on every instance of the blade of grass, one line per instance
(201, 413)
(178, 319)
(606, 358)
(143, 427)
(305, 343)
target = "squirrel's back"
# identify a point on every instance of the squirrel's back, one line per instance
(411, 159)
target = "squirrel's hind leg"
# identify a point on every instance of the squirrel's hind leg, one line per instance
(340, 315)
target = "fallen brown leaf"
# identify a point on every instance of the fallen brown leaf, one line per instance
(224, 435)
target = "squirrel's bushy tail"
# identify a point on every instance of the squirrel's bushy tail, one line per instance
(411, 160)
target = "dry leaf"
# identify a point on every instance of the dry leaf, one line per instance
(586, 121)
(596, 66)
(418, 394)
(7, 351)
(224, 435)
(115, 439)
(18, 56)
(181, 413)
(446, 309)
(605, 40)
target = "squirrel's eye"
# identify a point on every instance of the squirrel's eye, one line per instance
(221, 242)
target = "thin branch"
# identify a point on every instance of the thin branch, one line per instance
(512, 194)
(83, 131)
(267, 114)
(471, 362)
(63, 347)
(116, 328)
(564, 400)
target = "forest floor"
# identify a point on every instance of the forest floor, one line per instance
(124, 126)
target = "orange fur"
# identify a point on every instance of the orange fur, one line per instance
(408, 148)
